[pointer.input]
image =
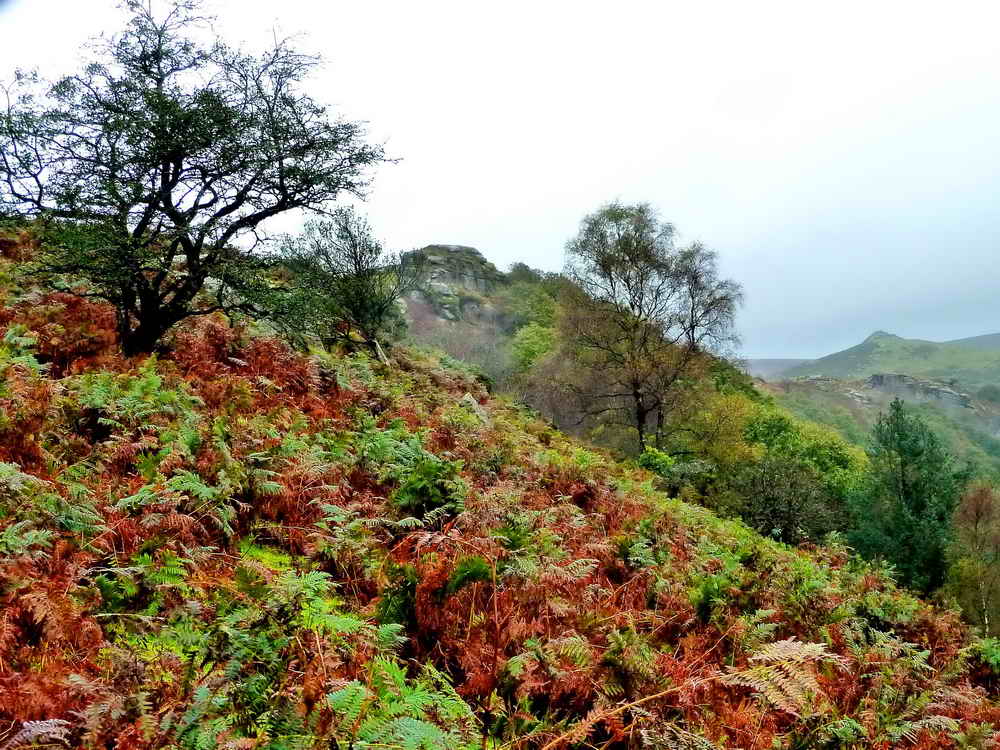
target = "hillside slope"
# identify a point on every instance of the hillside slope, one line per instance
(883, 352)
(235, 545)
(989, 342)
(852, 407)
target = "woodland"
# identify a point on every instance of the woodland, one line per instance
(249, 500)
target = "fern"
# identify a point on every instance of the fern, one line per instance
(32, 732)
(753, 630)
(785, 676)
(672, 737)
(348, 703)
(910, 730)
(468, 570)
(396, 712)
(20, 539)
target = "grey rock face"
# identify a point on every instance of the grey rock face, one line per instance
(457, 278)
(919, 389)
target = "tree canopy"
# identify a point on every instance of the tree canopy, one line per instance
(345, 284)
(904, 512)
(154, 168)
(638, 316)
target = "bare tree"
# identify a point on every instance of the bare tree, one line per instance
(640, 315)
(154, 167)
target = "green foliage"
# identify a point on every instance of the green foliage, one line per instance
(729, 379)
(17, 350)
(988, 652)
(966, 433)
(903, 513)
(192, 494)
(631, 660)
(344, 288)
(391, 711)
(249, 649)
(531, 343)
(391, 452)
(222, 162)
(35, 511)
(20, 539)
(711, 590)
(527, 302)
(225, 572)
(784, 498)
(396, 605)
(129, 401)
(468, 570)
(431, 484)
(656, 461)
(883, 352)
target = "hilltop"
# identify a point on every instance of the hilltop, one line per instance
(232, 544)
(989, 342)
(973, 363)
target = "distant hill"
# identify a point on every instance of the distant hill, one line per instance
(969, 362)
(771, 368)
(989, 342)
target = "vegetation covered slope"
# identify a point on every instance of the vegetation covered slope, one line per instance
(971, 366)
(988, 342)
(234, 545)
(967, 434)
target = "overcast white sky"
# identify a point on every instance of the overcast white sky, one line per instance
(843, 158)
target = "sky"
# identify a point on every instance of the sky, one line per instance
(842, 158)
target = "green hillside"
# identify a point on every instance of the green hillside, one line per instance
(966, 433)
(971, 366)
(232, 544)
(989, 342)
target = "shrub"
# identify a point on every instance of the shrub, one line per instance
(530, 344)
(656, 461)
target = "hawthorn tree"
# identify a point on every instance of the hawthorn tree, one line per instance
(154, 168)
(639, 317)
(345, 285)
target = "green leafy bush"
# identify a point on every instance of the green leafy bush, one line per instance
(468, 570)
(431, 484)
(656, 461)
(530, 344)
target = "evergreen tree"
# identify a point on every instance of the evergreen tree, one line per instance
(904, 511)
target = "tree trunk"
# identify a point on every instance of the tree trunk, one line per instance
(143, 338)
(640, 418)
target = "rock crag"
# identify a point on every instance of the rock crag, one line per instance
(457, 282)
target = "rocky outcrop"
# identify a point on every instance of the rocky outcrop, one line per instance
(919, 389)
(460, 266)
(457, 281)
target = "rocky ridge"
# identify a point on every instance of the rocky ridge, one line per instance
(458, 282)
